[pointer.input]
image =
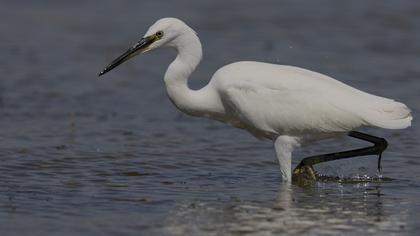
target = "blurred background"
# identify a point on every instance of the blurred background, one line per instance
(85, 156)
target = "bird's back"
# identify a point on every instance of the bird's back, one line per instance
(285, 99)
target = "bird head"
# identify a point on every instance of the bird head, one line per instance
(162, 33)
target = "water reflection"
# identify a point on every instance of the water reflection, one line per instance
(322, 209)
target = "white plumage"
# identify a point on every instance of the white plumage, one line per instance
(286, 104)
(290, 100)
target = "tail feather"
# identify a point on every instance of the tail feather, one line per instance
(390, 115)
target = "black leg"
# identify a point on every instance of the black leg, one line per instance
(379, 146)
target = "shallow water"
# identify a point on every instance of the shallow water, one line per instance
(81, 156)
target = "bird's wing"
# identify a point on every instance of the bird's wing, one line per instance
(286, 110)
(285, 99)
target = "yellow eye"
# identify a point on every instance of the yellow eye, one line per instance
(159, 34)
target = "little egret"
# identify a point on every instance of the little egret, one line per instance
(289, 105)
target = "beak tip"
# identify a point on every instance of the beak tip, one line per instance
(101, 73)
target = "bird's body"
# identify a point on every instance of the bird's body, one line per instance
(287, 100)
(286, 104)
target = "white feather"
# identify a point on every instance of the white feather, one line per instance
(294, 101)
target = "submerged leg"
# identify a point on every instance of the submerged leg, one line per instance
(379, 146)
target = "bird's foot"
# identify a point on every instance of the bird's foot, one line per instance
(304, 175)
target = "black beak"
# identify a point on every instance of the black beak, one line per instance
(139, 47)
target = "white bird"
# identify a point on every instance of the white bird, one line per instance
(289, 105)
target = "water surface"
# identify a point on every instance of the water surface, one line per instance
(82, 156)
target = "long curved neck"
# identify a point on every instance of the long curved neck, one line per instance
(193, 102)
